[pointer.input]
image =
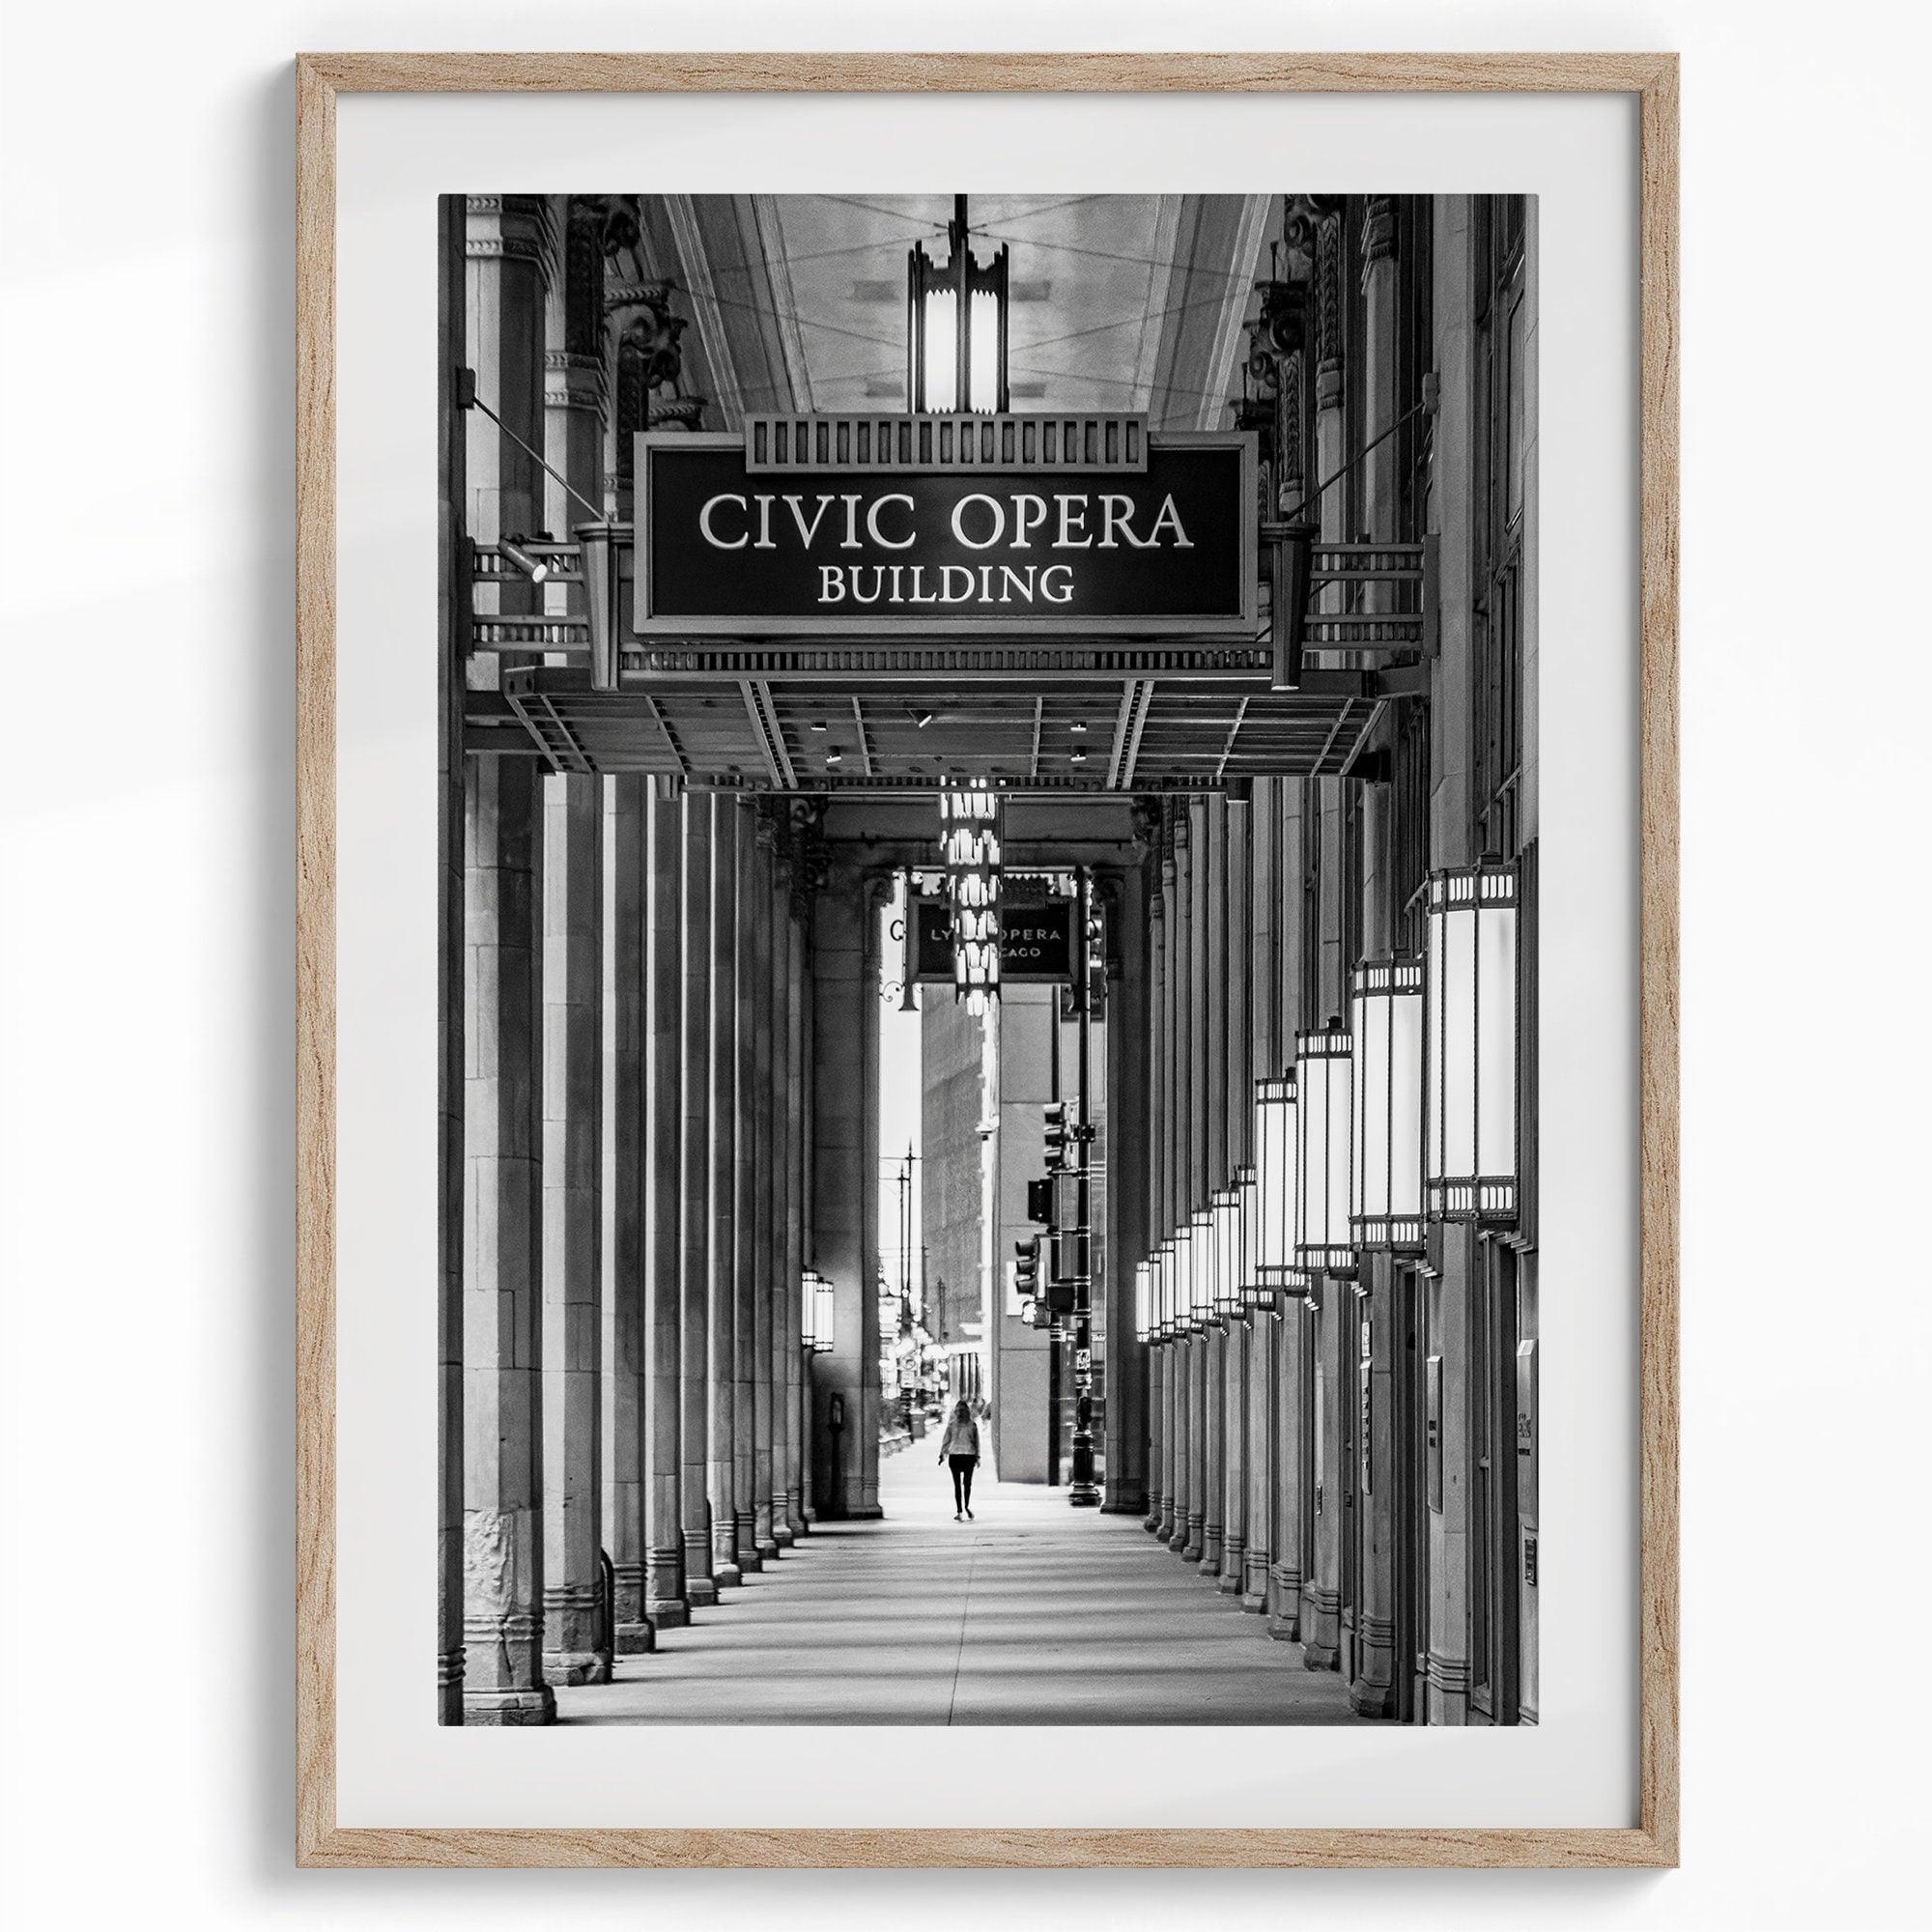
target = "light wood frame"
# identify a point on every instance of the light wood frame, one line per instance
(1652, 78)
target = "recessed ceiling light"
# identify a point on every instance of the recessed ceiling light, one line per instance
(818, 724)
(1080, 757)
(834, 757)
(1079, 725)
(922, 720)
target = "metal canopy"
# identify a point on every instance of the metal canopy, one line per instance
(1145, 734)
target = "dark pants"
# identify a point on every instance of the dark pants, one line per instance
(962, 1480)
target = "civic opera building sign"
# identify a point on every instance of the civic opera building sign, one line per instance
(984, 526)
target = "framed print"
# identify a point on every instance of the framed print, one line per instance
(987, 953)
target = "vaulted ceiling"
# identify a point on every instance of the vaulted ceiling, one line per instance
(1118, 301)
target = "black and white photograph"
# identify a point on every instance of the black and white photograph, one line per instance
(988, 959)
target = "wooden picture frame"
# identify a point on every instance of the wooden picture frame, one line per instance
(1652, 79)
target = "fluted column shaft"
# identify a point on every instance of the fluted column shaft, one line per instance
(626, 1188)
(780, 1294)
(503, 1393)
(664, 1213)
(722, 1290)
(794, 1223)
(749, 1153)
(694, 1194)
(767, 1206)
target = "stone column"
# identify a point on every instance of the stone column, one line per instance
(505, 272)
(1213, 1444)
(783, 1297)
(665, 1600)
(1211, 1042)
(695, 1195)
(1456, 1254)
(452, 648)
(503, 1393)
(625, 1190)
(1287, 1365)
(1173, 1421)
(1237, 1090)
(1291, 1410)
(1155, 971)
(1186, 1529)
(749, 1153)
(723, 1272)
(1259, 1396)
(794, 1220)
(575, 1646)
(1200, 1083)
(1263, 1059)
(763, 948)
(1197, 1445)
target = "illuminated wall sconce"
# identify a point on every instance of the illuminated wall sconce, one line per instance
(1182, 1270)
(1230, 1265)
(1472, 1142)
(1143, 1301)
(819, 1313)
(956, 328)
(1201, 1267)
(1386, 1019)
(1324, 1147)
(1272, 1267)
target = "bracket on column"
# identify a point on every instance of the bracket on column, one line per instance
(1135, 701)
(771, 738)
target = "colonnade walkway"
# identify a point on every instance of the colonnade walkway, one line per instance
(1032, 1613)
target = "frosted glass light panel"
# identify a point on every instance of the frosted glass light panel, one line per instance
(1226, 1214)
(1471, 1153)
(1386, 1019)
(1324, 1142)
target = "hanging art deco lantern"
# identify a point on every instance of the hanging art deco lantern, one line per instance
(1471, 1140)
(956, 328)
(1386, 1020)
(969, 820)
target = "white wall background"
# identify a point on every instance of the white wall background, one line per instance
(146, 515)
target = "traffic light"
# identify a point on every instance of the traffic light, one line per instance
(1060, 1297)
(1055, 1121)
(1026, 1267)
(1039, 1201)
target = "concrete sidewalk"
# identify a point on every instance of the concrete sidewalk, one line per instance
(1033, 1613)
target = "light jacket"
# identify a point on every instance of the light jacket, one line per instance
(962, 1439)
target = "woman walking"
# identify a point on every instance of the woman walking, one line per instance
(960, 1450)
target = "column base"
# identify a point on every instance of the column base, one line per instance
(749, 1562)
(1234, 1562)
(1210, 1547)
(577, 1666)
(770, 1551)
(726, 1575)
(668, 1616)
(782, 1535)
(637, 1639)
(1283, 1629)
(1255, 1600)
(1370, 1700)
(700, 1592)
(502, 1708)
